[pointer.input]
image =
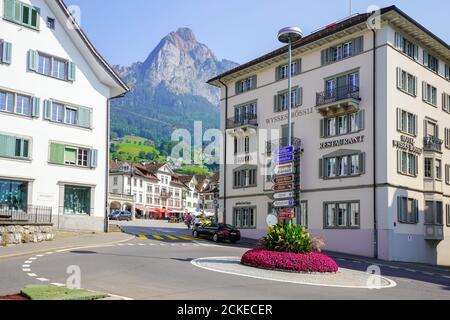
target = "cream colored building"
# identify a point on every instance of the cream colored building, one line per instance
(372, 123)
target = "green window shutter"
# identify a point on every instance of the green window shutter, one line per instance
(277, 73)
(6, 53)
(323, 57)
(358, 45)
(275, 104)
(70, 155)
(7, 146)
(322, 128)
(47, 109)
(35, 107)
(9, 7)
(33, 58)
(72, 70)
(84, 117)
(299, 97)
(362, 163)
(361, 120)
(35, 17)
(57, 153)
(321, 168)
(93, 158)
(254, 82)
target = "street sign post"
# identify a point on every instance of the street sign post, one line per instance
(283, 151)
(284, 179)
(284, 169)
(283, 187)
(283, 203)
(283, 195)
(283, 159)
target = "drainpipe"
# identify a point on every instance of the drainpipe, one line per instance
(375, 207)
(224, 177)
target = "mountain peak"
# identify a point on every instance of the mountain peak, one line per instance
(186, 34)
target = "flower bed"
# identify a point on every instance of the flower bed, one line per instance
(294, 262)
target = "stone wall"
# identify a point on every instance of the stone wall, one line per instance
(17, 234)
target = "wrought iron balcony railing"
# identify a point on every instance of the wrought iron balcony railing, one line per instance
(337, 94)
(242, 120)
(432, 144)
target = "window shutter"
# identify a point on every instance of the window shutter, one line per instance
(84, 117)
(299, 96)
(277, 73)
(321, 168)
(57, 153)
(254, 82)
(424, 91)
(399, 119)
(399, 78)
(416, 125)
(298, 67)
(33, 58)
(9, 9)
(416, 52)
(416, 169)
(7, 146)
(323, 57)
(322, 128)
(276, 104)
(237, 88)
(48, 109)
(361, 120)
(426, 58)
(72, 70)
(399, 161)
(35, 107)
(93, 158)
(415, 86)
(6, 53)
(416, 211)
(358, 44)
(362, 163)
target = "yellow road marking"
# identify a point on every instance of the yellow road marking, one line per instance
(172, 238)
(157, 237)
(141, 236)
(187, 238)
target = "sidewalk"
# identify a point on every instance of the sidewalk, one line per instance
(64, 240)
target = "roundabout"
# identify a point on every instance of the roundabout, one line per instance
(344, 278)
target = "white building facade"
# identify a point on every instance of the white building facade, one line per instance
(371, 121)
(54, 101)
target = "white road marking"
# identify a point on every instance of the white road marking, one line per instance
(25, 266)
(410, 270)
(428, 273)
(141, 244)
(34, 258)
(394, 267)
(42, 279)
(28, 261)
(33, 275)
(56, 284)
(49, 253)
(39, 255)
(131, 244)
(26, 270)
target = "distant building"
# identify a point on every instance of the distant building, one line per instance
(209, 195)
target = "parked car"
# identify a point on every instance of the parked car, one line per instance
(217, 232)
(121, 215)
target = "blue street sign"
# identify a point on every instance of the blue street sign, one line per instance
(283, 159)
(284, 151)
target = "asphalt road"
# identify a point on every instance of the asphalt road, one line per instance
(148, 268)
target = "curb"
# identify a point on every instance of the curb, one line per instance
(37, 251)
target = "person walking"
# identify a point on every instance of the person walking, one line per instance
(188, 221)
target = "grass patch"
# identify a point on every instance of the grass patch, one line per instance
(57, 293)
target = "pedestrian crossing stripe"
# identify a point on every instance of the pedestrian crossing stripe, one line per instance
(157, 237)
(166, 237)
(141, 236)
(188, 238)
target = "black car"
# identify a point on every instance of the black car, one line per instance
(121, 215)
(217, 232)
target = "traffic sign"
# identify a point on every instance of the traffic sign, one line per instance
(283, 159)
(284, 169)
(286, 216)
(283, 187)
(283, 151)
(272, 220)
(285, 179)
(283, 203)
(286, 211)
(283, 195)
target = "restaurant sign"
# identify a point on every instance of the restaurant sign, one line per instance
(342, 142)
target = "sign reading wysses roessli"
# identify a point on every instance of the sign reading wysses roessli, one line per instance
(407, 144)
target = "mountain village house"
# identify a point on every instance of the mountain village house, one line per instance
(54, 110)
(371, 119)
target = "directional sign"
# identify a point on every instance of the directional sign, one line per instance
(283, 159)
(285, 179)
(283, 169)
(283, 187)
(283, 151)
(286, 216)
(283, 195)
(283, 203)
(286, 211)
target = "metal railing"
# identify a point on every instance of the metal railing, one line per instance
(282, 143)
(432, 144)
(337, 94)
(29, 214)
(242, 119)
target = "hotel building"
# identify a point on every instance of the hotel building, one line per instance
(54, 113)
(371, 118)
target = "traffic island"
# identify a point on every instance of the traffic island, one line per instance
(59, 293)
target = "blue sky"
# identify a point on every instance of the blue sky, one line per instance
(239, 30)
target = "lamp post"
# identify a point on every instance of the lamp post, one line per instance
(289, 35)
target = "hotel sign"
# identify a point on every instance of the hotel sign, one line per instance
(342, 142)
(407, 144)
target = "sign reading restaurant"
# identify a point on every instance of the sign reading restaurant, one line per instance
(342, 142)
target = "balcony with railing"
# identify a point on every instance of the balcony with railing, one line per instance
(432, 144)
(339, 100)
(29, 215)
(242, 122)
(274, 145)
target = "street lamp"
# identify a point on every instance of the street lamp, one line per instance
(289, 35)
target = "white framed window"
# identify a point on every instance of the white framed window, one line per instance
(406, 82)
(282, 99)
(446, 102)
(342, 166)
(342, 125)
(23, 105)
(407, 163)
(447, 138)
(283, 71)
(430, 62)
(71, 116)
(406, 46)
(429, 94)
(52, 66)
(407, 210)
(342, 215)
(406, 122)
(246, 85)
(244, 218)
(302, 217)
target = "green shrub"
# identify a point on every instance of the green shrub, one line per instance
(288, 238)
